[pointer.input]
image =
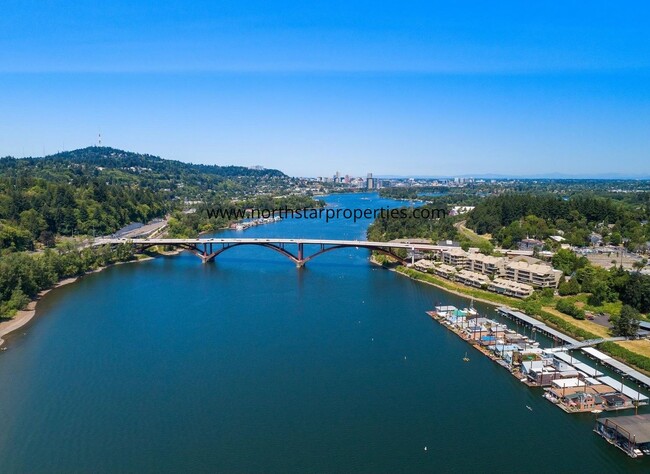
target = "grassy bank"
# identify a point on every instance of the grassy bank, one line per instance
(625, 355)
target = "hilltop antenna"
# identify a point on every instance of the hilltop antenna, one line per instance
(100, 139)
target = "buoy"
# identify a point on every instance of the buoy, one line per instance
(425, 448)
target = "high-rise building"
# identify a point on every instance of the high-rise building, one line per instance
(370, 182)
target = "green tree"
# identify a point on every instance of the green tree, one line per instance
(571, 287)
(565, 260)
(627, 324)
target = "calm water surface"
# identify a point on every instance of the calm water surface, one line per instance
(250, 365)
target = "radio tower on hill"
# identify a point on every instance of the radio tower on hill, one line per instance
(100, 140)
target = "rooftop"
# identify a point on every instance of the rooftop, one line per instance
(635, 426)
(535, 267)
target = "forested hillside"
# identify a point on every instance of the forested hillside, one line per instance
(511, 217)
(97, 190)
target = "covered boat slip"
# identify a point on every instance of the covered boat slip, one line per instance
(580, 366)
(624, 389)
(538, 325)
(629, 433)
(620, 367)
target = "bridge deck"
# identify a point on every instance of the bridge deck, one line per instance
(350, 243)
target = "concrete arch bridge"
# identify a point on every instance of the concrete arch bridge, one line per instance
(299, 251)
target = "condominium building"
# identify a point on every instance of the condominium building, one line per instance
(486, 264)
(510, 288)
(537, 275)
(456, 257)
(445, 271)
(471, 278)
(424, 265)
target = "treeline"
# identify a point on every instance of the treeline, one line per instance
(23, 275)
(36, 210)
(389, 228)
(511, 217)
(184, 224)
(411, 192)
(631, 288)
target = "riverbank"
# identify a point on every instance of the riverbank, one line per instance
(449, 287)
(24, 316)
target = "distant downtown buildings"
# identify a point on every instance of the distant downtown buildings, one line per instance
(356, 182)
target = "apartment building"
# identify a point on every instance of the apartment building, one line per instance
(456, 257)
(471, 278)
(485, 264)
(537, 275)
(510, 288)
(424, 265)
(445, 271)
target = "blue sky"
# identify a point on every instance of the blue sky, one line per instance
(424, 88)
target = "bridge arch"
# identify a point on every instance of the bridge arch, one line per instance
(201, 250)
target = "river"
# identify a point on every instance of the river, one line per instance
(249, 364)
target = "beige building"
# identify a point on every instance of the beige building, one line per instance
(537, 275)
(471, 278)
(445, 271)
(456, 257)
(510, 288)
(486, 264)
(424, 265)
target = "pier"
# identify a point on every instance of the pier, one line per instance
(537, 325)
(570, 384)
(619, 367)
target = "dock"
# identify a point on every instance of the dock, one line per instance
(537, 325)
(572, 385)
(619, 367)
(631, 434)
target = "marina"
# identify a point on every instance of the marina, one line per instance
(570, 384)
(247, 224)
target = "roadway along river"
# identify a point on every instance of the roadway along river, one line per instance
(249, 364)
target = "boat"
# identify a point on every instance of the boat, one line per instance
(465, 359)
(529, 408)
(596, 411)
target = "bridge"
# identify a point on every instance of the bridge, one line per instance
(294, 249)
(587, 343)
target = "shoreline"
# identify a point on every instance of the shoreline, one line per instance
(492, 303)
(440, 287)
(24, 316)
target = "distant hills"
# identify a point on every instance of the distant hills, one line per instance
(125, 168)
(111, 158)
